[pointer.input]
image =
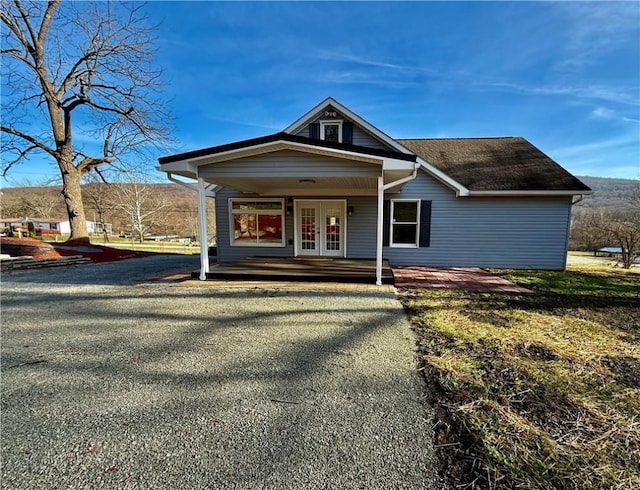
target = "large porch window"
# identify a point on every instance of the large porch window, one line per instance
(257, 222)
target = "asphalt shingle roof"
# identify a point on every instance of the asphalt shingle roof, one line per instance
(271, 138)
(495, 164)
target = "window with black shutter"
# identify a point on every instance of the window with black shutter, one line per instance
(334, 130)
(407, 223)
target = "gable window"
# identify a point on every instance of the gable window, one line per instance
(405, 216)
(256, 222)
(331, 131)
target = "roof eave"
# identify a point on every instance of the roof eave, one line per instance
(524, 193)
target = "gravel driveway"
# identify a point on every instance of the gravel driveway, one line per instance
(110, 380)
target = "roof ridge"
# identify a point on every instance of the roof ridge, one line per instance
(461, 138)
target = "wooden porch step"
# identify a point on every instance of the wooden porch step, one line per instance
(299, 269)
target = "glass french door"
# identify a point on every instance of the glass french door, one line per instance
(320, 228)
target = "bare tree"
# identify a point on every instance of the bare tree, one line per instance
(78, 71)
(623, 229)
(620, 227)
(97, 196)
(141, 206)
(42, 202)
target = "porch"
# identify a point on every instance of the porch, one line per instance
(323, 269)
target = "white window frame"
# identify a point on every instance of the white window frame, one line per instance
(332, 122)
(232, 240)
(392, 222)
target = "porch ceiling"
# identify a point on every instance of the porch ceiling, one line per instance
(306, 186)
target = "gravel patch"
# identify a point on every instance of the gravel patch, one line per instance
(112, 380)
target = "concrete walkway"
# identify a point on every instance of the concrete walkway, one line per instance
(113, 379)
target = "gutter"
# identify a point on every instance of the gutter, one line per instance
(381, 188)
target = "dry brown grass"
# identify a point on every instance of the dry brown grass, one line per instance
(536, 391)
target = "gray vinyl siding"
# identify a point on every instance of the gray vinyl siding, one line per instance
(514, 232)
(303, 132)
(361, 138)
(288, 163)
(519, 233)
(361, 227)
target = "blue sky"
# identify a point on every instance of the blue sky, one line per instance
(564, 75)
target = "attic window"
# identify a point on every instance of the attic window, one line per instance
(331, 131)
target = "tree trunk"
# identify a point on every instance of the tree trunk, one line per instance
(72, 195)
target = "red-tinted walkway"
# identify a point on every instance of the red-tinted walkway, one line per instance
(466, 278)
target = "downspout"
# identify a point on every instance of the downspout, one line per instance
(379, 231)
(202, 230)
(381, 188)
(579, 199)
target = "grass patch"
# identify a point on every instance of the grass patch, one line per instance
(540, 390)
(153, 247)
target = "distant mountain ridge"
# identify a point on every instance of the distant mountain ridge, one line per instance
(607, 192)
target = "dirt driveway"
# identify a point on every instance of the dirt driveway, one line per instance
(110, 380)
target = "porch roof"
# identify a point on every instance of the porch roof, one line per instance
(263, 166)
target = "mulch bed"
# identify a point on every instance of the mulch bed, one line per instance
(50, 250)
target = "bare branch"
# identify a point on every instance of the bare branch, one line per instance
(88, 163)
(30, 139)
(46, 21)
(27, 23)
(21, 154)
(13, 27)
(17, 54)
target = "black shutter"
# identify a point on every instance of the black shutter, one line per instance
(386, 222)
(425, 223)
(314, 131)
(347, 132)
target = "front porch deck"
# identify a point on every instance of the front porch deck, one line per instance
(300, 269)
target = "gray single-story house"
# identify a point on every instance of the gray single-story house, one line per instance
(333, 185)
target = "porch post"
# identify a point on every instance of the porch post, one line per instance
(202, 230)
(379, 231)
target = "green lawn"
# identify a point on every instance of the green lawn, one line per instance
(157, 247)
(539, 390)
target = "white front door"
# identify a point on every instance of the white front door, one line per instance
(320, 228)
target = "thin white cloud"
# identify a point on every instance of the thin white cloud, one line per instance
(360, 60)
(363, 78)
(602, 146)
(609, 114)
(612, 157)
(620, 95)
(594, 28)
